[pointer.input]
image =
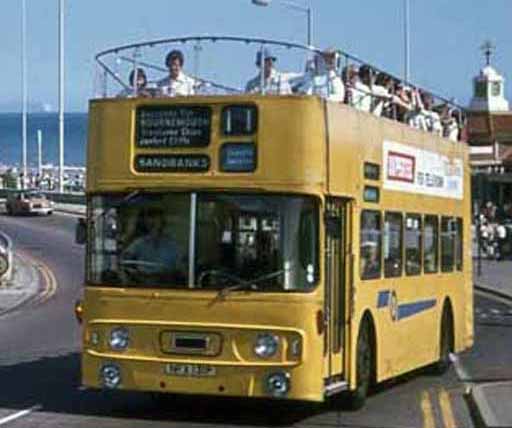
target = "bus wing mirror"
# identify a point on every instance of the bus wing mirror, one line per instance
(81, 232)
(333, 226)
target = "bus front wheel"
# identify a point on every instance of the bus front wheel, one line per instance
(364, 367)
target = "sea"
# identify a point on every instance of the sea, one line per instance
(75, 138)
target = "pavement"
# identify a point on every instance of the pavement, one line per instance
(491, 400)
(25, 285)
(74, 209)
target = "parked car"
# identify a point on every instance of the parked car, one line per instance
(28, 202)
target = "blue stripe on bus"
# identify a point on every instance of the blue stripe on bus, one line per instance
(409, 309)
(383, 299)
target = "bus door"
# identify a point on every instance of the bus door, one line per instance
(337, 221)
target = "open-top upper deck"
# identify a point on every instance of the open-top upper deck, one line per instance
(227, 65)
(270, 138)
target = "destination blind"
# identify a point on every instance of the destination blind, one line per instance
(172, 163)
(173, 126)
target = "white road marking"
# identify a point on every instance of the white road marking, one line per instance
(496, 311)
(19, 414)
(69, 214)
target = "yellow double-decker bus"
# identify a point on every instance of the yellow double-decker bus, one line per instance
(268, 245)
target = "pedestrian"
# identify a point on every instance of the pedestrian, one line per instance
(501, 233)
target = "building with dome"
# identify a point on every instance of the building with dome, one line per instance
(489, 133)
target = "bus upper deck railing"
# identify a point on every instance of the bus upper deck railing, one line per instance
(157, 69)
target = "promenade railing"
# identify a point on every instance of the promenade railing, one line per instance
(6, 259)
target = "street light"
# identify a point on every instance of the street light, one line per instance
(61, 96)
(294, 6)
(406, 41)
(24, 92)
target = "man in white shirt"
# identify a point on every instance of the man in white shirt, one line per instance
(322, 79)
(359, 93)
(415, 117)
(450, 124)
(381, 92)
(431, 117)
(177, 82)
(274, 82)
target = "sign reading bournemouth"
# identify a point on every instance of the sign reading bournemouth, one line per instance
(173, 126)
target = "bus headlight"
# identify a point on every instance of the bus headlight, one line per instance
(266, 345)
(278, 384)
(110, 376)
(119, 339)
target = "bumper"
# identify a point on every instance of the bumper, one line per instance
(229, 380)
(43, 211)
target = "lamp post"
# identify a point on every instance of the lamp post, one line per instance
(40, 153)
(61, 96)
(24, 92)
(406, 41)
(294, 6)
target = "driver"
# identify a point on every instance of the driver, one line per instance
(155, 252)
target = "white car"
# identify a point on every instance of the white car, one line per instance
(28, 202)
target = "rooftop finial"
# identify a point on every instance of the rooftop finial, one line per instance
(488, 48)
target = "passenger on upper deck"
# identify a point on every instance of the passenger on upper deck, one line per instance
(431, 116)
(274, 82)
(177, 82)
(321, 79)
(415, 117)
(142, 82)
(450, 124)
(381, 91)
(359, 93)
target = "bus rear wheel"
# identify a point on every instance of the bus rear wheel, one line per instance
(445, 343)
(364, 368)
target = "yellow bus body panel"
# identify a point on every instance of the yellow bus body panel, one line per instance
(304, 146)
(238, 319)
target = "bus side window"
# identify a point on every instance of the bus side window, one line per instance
(370, 245)
(447, 244)
(430, 244)
(413, 240)
(392, 245)
(459, 247)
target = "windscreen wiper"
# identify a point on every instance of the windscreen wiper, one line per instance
(240, 284)
(248, 285)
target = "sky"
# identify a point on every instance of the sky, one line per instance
(445, 38)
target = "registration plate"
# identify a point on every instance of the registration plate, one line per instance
(190, 370)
